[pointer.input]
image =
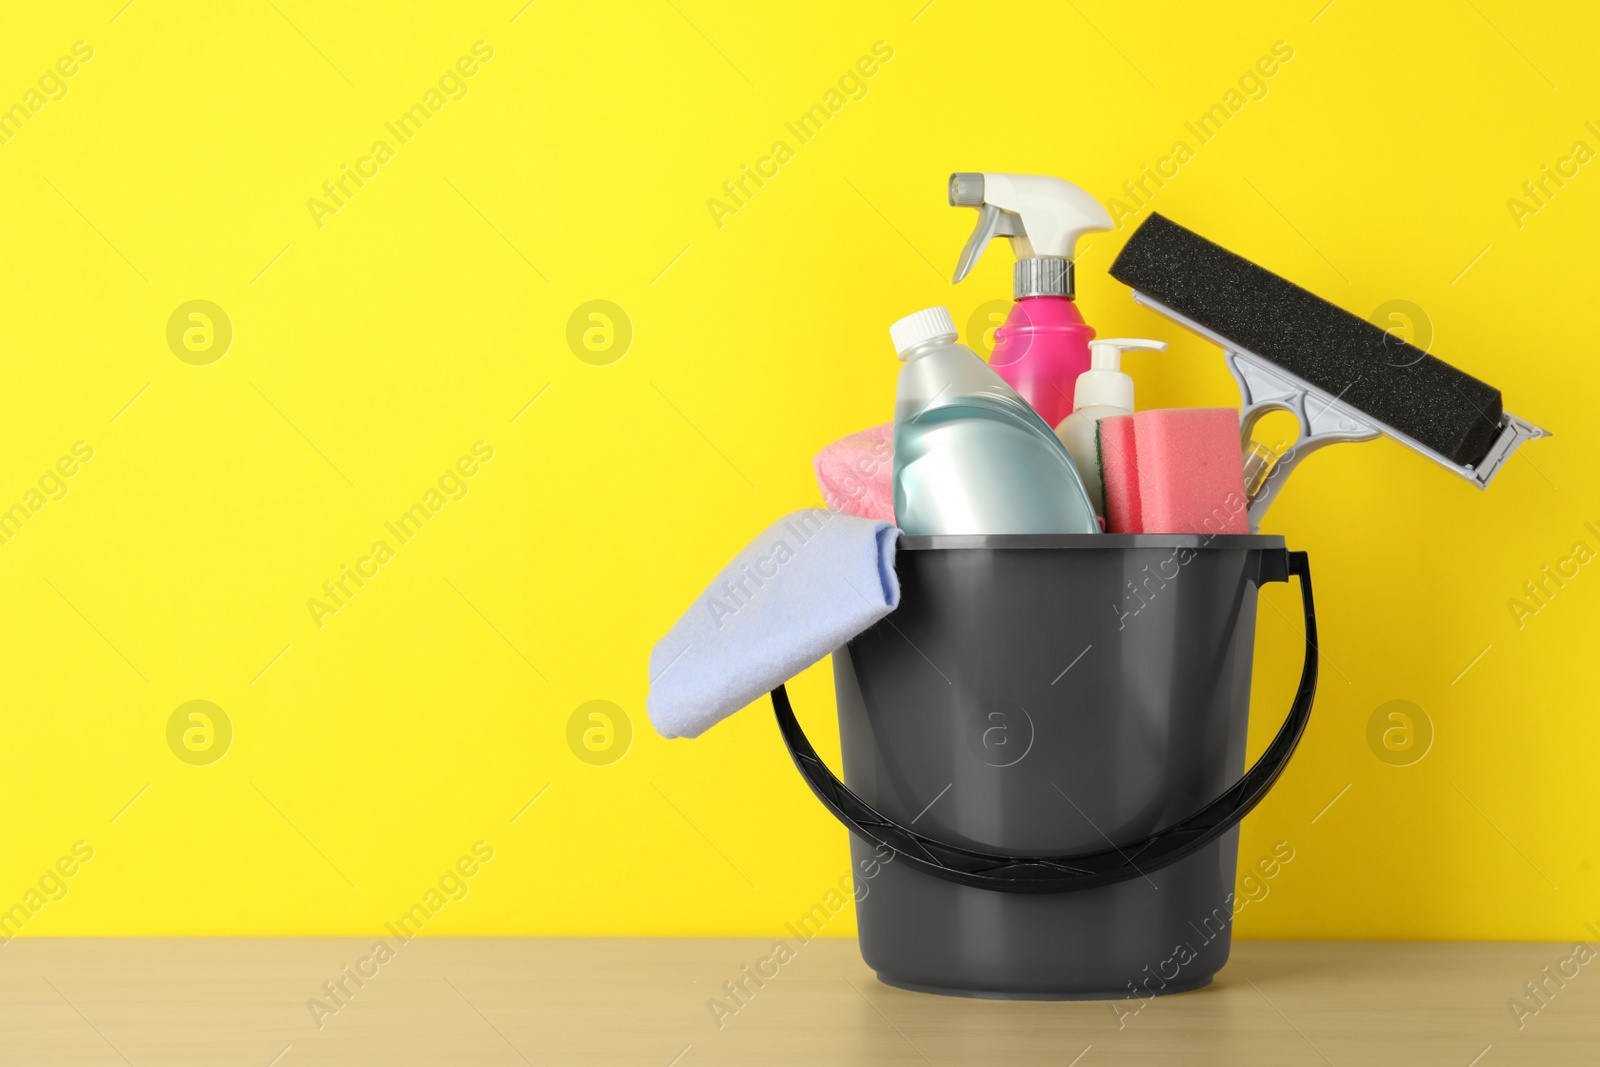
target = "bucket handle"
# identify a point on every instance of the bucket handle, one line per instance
(1009, 873)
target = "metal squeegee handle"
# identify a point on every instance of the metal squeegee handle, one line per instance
(1064, 873)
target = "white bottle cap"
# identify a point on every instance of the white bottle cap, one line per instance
(931, 324)
(1104, 384)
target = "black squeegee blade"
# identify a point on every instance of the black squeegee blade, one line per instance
(1438, 406)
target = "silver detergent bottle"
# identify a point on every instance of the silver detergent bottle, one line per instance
(970, 455)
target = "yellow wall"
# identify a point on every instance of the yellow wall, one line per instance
(375, 345)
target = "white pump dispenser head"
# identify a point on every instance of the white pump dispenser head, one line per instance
(1104, 384)
(1043, 216)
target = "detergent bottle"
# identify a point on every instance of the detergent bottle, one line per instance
(1044, 344)
(970, 455)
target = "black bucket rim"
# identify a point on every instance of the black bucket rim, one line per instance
(992, 542)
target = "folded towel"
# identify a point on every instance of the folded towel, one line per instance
(807, 585)
(856, 473)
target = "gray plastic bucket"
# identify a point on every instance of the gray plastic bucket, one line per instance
(1049, 733)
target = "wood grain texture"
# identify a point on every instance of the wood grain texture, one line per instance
(174, 1002)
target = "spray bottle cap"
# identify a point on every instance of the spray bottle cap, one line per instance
(1043, 216)
(1104, 384)
(920, 327)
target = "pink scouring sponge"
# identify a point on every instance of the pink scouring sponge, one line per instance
(856, 474)
(1119, 474)
(1174, 470)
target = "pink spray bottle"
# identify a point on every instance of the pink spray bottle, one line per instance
(1044, 344)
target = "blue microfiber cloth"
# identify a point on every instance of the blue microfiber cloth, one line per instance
(807, 585)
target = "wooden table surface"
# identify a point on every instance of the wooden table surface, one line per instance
(141, 1002)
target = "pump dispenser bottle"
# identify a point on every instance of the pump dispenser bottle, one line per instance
(1102, 391)
(1043, 346)
(970, 455)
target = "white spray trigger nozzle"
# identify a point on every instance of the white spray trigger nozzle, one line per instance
(1043, 216)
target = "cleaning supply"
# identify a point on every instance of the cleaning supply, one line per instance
(1115, 447)
(1102, 391)
(856, 473)
(1342, 377)
(809, 583)
(1045, 792)
(1174, 471)
(1043, 346)
(1259, 459)
(970, 455)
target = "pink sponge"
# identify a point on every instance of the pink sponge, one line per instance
(1119, 474)
(1174, 470)
(856, 474)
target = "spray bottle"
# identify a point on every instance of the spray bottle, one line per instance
(1044, 344)
(1101, 392)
